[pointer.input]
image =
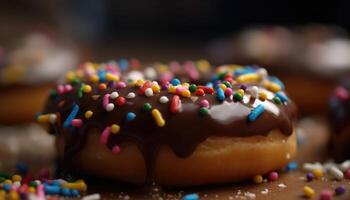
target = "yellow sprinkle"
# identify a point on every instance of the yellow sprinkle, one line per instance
(203, 65)
(16, 177)
(318, 173)
(13, 195)
(8, 181)
(171, 89)
(115, 128)
(156, 88)
(139, 83)
(70, 76)
(223, 87)
(88, 114)
(111, 77)
(158, 117)
(258, 179)
(248, 78)
(162, 68)
(308, 192)
(94, 79)
(44, 118)
(186, 85)
(262, 96)
(86, 88)
(241, 92)
(272, 86)
(186, 93)
(79, 73)
(31, 190)
(79, 185)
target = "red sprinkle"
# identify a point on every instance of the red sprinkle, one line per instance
(116, 149)
(207, 90)
(175, 104)
(347, 173)
(102, 86)
(120, 101)
(77, 122)
(146, 85)
(342, 93)
(199, 92)
(273, 176)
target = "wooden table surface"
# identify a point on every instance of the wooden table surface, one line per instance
(313, 147)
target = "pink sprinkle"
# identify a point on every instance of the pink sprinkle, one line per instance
(60, 89)
(167, 76)
(174, 66)
(121, 84)
(191, 70)
(116, 149)
(179, 90)
(40, 192)
(105, 100)
(204, 103)
(347, 173)
(105, 135)
(273, 176)
(341, 93)
(326, 195)
(77, 122)
(228, 92)
(68, 88)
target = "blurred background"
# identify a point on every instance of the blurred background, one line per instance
(305, 43)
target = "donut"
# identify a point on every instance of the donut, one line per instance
(339, 118)
(174, 134)
(27, 73)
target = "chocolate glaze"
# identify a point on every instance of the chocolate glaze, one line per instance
(183, 131)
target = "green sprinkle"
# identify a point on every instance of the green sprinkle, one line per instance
(2, 179)
(147, 107)
(75, 81)
(5, 175)
(33, 184)
(192, 88)
(237, 97)
(80, 91)
(53, 93)
(277, 100)
(227, 84)
(204, 111)
(222, 75)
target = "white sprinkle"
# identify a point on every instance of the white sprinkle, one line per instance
(53, 118)
(250, 195)
(336, 173)
(309, 167)
(254, 91)
(262, 72)
(149, 92)
(281, 185)
(154, 83)
(163, 99)
(114, 95)
(95, 196)
(110, 107)
(150, 73)
(265, 191)
(131, 95)
(345, 165)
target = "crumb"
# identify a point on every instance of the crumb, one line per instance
(282, 185)
(265, 191)
(250, 195)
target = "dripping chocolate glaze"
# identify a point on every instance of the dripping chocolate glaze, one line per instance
(183, 131)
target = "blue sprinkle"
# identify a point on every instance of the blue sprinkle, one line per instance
(56, 182)
(209, 85)
(123, 64)
(256, 112)
(175, 82)
(214, 78)
(102, 75)
(21, 168)
(246, 70)
(53, 190)
(75, 193)
(66, 192)
(283, 97)
(292, 166)
(191, 197)
(221, 94)
(6, 187)
(71, 116)
(130, 116)
(277, 81)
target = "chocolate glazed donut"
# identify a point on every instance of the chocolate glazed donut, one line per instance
(240, 103)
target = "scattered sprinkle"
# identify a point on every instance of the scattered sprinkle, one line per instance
(340, 190)
(273, 176)
(326, 195)
(158, 117)
(256, 112)
(193, 196)
(115, 128)
(308, 192)
(130, 116)
(258, 179)
(131, 95)
(163, 99)
(88, 114)
(147, 107)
